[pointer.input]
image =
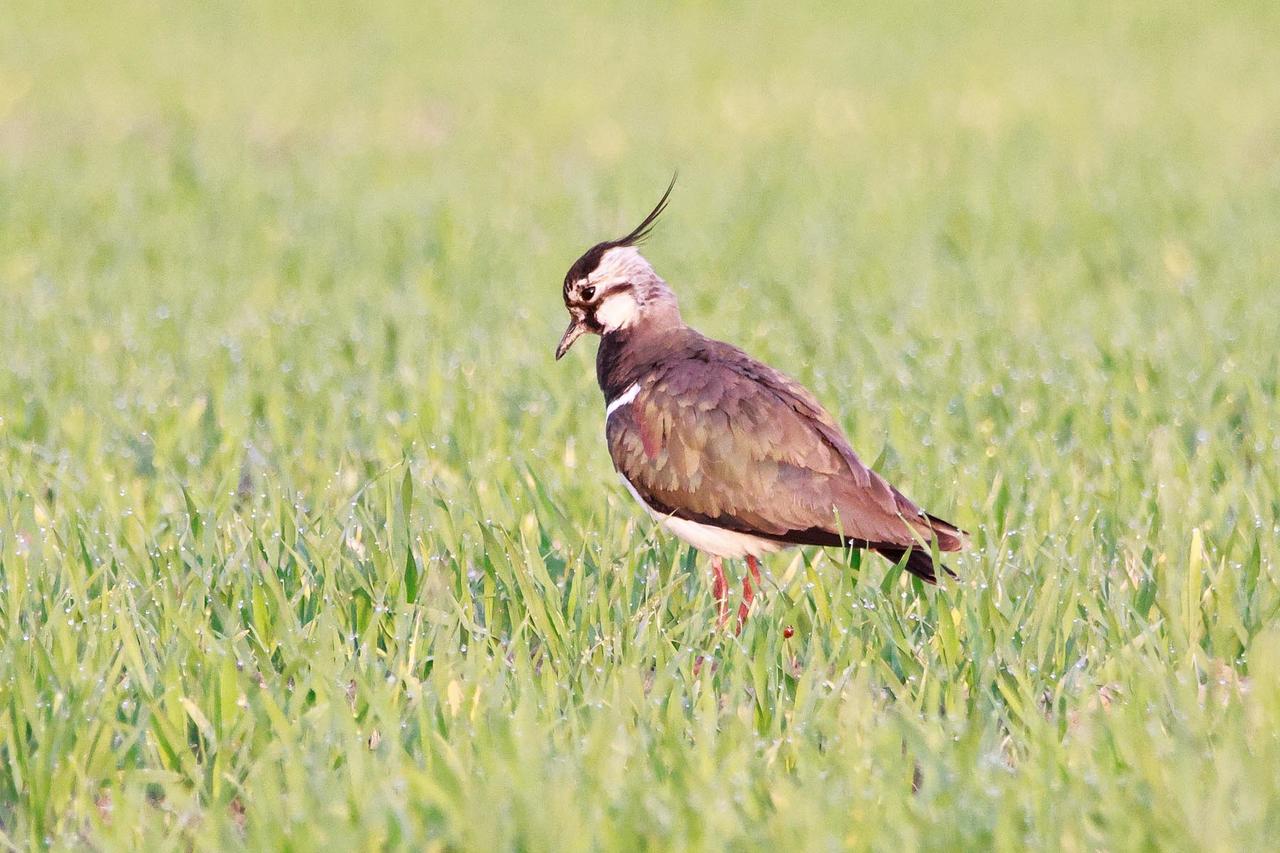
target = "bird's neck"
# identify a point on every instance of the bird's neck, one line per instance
(628, 353)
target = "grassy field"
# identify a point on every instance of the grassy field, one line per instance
(305, 539)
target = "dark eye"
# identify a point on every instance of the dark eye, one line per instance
(588, 293)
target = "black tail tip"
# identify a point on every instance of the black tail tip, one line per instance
(919, 562)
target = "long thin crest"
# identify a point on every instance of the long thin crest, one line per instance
(591, 258)
(642, 230)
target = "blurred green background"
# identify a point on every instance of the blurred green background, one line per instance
(307, 540)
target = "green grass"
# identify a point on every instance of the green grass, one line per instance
(305, 539)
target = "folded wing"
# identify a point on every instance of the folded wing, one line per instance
(734, 443)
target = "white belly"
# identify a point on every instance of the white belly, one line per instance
(708, 538)
(720, 542)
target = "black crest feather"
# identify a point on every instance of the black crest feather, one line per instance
(642, 230)
(591, 258)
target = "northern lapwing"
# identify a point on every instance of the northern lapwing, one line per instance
(728, 454)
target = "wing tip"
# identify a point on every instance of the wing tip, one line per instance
(949, 537)
(919, 562)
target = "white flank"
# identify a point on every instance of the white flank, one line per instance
(621, 400)
(708, 538)
(717, 541)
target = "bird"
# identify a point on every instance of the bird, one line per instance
(731, 456)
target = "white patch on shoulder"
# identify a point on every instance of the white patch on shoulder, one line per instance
(621, 400)
(708, 538)
(617, 310)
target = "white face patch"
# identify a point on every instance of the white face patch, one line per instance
(617, 310)
(626, 284)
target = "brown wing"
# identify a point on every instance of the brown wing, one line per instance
(734, 443)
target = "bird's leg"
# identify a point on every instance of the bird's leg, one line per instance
(745, 607)
(748, 594)
(720, 589)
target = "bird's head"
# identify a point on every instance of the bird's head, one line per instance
(613, 287)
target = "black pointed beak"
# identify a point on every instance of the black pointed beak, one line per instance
(571, 334)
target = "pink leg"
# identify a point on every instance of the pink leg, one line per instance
(745, 607)
(720, 589)
(748, 594)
